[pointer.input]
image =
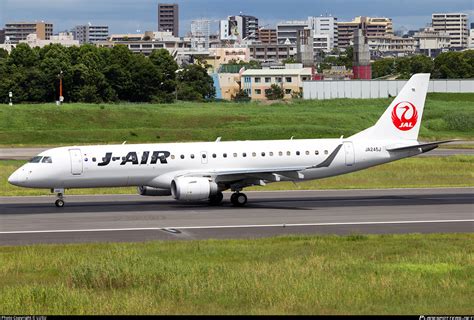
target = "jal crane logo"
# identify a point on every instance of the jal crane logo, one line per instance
(404, 116)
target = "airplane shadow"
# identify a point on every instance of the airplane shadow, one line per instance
(290, 204)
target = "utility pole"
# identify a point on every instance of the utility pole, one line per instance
(61, 97)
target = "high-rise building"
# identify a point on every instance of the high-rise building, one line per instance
(168, 18)
(325, 28)
(200, 33)
(370, 27)
(17, 31)
(90, 33)
(455, 24)
(267, 36)
(2, 36)
(239, 27)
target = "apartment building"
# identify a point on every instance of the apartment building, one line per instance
(91, 33)
(370, 26)
(272, 52)
(455, 24)
(168, 18)
(257, 82)
(241, 27)
(430, 42)
(267, 36)
(17, 31)
(2, 36)
(63, 38)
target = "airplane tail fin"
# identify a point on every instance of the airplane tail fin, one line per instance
(402, 119)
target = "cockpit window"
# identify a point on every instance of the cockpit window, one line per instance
(35, 159)
(47, 160)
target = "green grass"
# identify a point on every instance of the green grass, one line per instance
(357, 274)
(446, 116)
(452, 171)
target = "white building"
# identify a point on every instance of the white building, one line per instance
(390, 45)
(324, 28)
(455, 24)
(64, 39)
(431, 42)
(237, 28)
(200, 33)
(471, 39)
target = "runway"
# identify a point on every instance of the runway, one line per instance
(29, 220)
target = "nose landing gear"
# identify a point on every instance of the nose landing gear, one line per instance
(60, 201)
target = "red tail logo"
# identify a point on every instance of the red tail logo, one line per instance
(404, 116)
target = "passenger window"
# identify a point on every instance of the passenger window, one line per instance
(254, 154)
(288, 153)
(297, 153)
(47, 160)
(280, 153)
(271, 154)
(214, 155)
(326, 152)
(316, 152)
(182, 156)
(307, 153)
(225, 155)
(204, 156)
(94, 159)
(192, 156)
(244, 155)
(235, 155)
(172, 157)
(263, 154)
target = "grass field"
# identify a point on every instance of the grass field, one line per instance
(453, 171)
(446, 116)
(388, 274)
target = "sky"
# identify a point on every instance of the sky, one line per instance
(128, 16)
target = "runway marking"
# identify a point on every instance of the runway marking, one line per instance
(240, 226)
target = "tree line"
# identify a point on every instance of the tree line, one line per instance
(448, 65)
(94, 75)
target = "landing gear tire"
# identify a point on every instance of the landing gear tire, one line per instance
(59, 203)
(238, 199)
(216, 199)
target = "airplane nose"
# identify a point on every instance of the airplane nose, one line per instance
(15, 178)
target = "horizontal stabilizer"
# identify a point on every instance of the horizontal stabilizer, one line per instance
(425, 147)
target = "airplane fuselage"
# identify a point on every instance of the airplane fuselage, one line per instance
(156, 165)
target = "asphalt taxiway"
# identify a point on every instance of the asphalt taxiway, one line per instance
(28, 220)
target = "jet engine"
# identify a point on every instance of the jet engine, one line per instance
(154, 192)
(193, 188)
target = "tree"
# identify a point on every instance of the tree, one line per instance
(195, 84)
(241, 96)
(166, 67)
(274, 93)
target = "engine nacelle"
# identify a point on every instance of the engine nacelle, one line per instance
(153, 192)
(193, 188)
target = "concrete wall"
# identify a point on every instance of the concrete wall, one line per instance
(366, 89)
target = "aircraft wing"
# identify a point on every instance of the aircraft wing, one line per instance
(273, 174)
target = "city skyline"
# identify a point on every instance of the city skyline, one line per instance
(126, 16)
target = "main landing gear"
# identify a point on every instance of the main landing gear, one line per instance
(238, 199)
(60, 201)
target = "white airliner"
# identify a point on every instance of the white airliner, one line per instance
(202, 170)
